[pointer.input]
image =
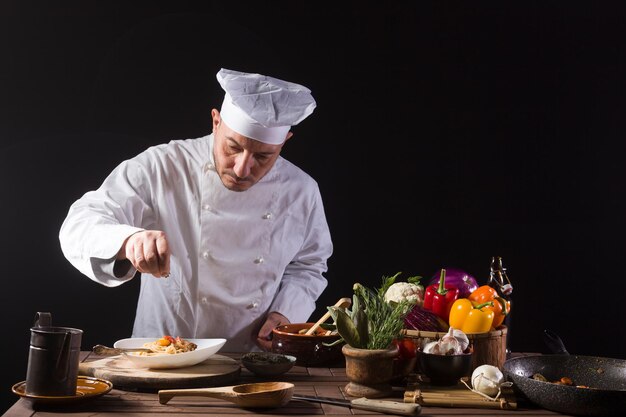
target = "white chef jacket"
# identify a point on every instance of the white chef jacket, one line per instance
(235, 256)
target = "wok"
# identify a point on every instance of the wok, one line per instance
(605, 377)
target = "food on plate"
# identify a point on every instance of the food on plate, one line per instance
(540, 377)
(471, 317)
(562, 381)
(168, 345)
(455, 342)
(439, 297)
(487, 379)
(322, 330)
(459, 279)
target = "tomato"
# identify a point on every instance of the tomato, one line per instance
(407, 347)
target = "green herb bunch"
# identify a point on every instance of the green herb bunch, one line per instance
(372, 323)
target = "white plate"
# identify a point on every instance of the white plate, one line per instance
(206, 348)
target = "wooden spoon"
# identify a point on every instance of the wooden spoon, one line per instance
(343, 302)
(256, 395)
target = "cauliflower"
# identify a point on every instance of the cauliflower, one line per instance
(401, 291)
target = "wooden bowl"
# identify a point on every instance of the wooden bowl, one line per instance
(309, 350)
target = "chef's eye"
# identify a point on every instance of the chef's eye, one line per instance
(234, 149)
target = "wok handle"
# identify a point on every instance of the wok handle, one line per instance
(554, 342)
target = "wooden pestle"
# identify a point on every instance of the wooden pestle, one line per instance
(343, 302)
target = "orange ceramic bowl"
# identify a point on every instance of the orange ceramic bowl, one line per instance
(309, 350)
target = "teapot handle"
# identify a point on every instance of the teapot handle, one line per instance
(43, 319)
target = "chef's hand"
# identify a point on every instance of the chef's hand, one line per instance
(148, 252)
(264, 338)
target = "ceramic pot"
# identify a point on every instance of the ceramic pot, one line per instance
(369, 371)
(309, 350)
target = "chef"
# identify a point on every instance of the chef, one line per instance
(230, 238)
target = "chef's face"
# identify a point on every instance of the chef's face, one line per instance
(240, 161)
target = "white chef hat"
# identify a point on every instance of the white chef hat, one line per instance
(261, 107)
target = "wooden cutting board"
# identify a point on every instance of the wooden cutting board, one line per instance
(218, 370)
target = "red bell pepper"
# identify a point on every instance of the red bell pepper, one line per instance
(439, 298)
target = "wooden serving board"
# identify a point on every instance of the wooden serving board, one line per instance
(218, 370)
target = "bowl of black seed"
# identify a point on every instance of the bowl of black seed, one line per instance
(267, 364)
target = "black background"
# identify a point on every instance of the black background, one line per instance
(445, 133)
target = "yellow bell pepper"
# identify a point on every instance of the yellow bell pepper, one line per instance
(470, 317)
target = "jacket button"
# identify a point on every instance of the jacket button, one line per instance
(267, 216)
(205, 255)
(259, 260)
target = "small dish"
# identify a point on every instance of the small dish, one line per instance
(86, 388)
(445, 369)
(267, 363)
(206, 348)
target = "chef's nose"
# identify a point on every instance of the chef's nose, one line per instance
(243, 164)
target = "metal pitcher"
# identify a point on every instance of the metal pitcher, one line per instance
(53, 358)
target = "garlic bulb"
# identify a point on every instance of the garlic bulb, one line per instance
(451, 343)
(462, 338)
(487, 379)
(428, 347)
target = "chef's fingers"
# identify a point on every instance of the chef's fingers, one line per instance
(142, 251)
(264, 337)
(155, 252)
(151, 258)
(264, 344)
(131, 249)
(266, 331)
(139, 258)
(163, 253)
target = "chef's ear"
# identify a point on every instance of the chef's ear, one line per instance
(215, 115)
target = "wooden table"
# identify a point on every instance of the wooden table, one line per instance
(323, 382)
